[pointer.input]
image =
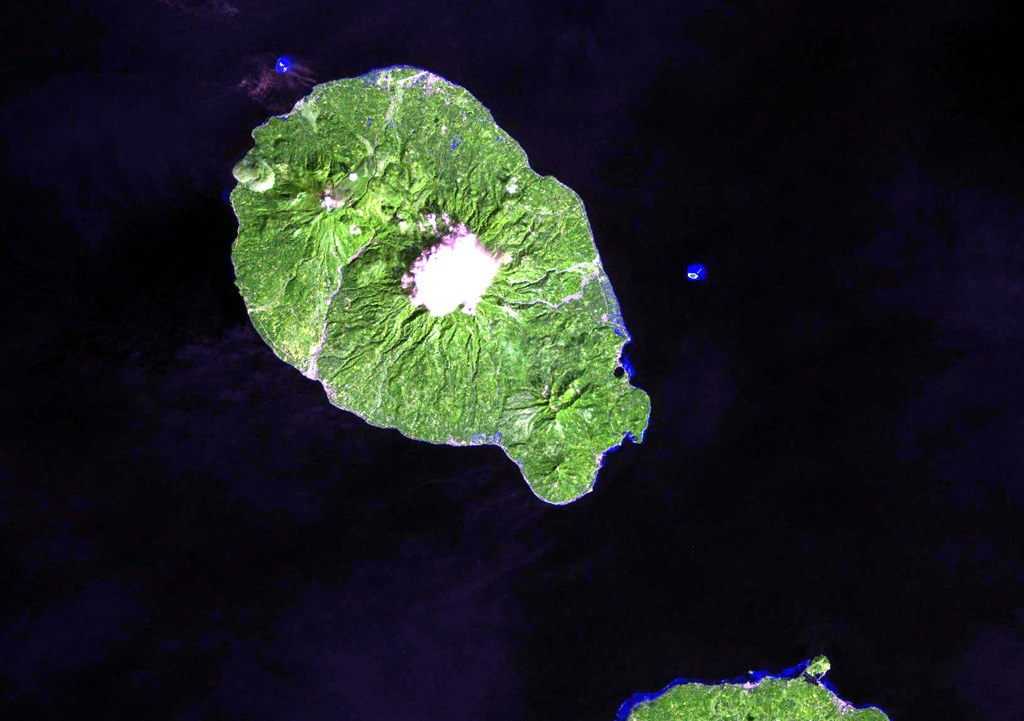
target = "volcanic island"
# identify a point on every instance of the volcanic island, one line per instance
(395, 245)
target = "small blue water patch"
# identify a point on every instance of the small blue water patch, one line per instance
(368, 121)
(696, 272)
(283, 64)
(456, 142)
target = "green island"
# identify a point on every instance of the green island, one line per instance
(395, 245)
(797, 694)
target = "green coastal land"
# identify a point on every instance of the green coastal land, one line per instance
(395, 245)
(798, 696)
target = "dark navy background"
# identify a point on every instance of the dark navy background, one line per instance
(188, 530)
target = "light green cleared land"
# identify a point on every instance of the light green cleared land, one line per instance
(803, 698)
(336, 202)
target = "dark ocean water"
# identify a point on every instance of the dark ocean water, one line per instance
(833, 463)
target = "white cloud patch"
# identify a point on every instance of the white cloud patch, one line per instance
(455, 272)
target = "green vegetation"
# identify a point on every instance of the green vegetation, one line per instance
(801, 698)
(340, 202)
